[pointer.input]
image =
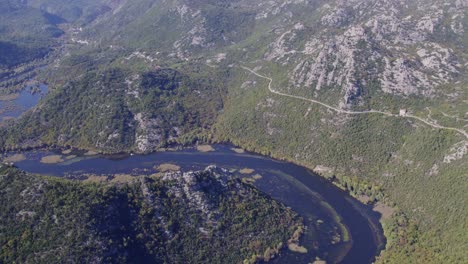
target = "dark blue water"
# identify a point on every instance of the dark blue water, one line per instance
(327, 210)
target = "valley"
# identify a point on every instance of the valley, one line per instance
(370, 95)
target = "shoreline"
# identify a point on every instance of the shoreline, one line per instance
(360, 206)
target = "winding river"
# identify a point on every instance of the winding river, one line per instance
(339, 228)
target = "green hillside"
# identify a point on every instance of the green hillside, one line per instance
(46, 220)
(370, 93)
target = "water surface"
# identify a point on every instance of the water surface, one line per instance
(25, 101)
(339, 228)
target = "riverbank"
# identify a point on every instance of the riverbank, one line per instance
(357, 240)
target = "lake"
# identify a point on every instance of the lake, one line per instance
(22, 103)
(339, 228)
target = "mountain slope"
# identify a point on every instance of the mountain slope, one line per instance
(387, 56)
(117, 110)
(27, 34)
(207, 213)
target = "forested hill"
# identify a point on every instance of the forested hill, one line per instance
(121, 110)
(208, 214)
(362, 91)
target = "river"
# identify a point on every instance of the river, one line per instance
(339, 228)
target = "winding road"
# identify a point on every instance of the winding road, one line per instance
(434, 125)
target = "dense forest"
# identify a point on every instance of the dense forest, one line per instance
(150, 219)
(386, 159)
(135, 76)
(106, 110)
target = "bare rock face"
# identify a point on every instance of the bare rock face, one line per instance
(337, 18)
(400, 44)
(457, 152)
(335, 50)
(193, 187)
(333, 65)
(148, 133)
(196, 190)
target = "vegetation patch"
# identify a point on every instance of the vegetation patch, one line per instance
(123, 178)
(96, 179)
(257, 177)
(9, 97)
(246, 171)
(51, 159)
(167, 167)
(293, 242)
(238, 150)
(296, 248)
(69, 157)
(205, 148)
(248, 180)
(15, 158)
(67, 151)
(385, 211)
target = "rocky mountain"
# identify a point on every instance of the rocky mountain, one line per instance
(374, 90)
(351, 54)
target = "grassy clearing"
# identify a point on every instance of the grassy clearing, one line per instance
(15, 158)
(238, 150)
(123, 178)
(167, 167)
(205, 148)
(296, 248)
(385, 211)
(52, 159)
